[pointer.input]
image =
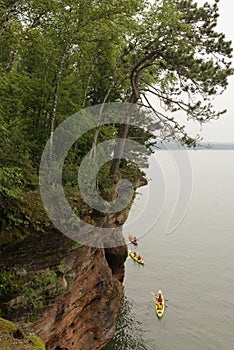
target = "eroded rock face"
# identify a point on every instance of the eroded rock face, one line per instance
(80, 289)
(85, 316)
(67, 294)
(81, 300)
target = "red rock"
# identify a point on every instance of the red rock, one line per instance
(84, 317)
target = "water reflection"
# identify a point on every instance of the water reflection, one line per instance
(129, 332)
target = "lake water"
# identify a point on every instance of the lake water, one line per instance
(194, 265)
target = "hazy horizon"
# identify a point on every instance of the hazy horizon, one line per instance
(204, 145)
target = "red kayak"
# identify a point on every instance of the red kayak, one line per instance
(131, 239)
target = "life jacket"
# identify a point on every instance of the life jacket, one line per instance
(159, 305)
(160, 299)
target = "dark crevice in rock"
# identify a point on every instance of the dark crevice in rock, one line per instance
(115, 258)
(18, 334)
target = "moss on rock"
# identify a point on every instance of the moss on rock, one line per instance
(13, 338)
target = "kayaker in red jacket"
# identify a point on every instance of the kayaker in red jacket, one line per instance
(159, 297)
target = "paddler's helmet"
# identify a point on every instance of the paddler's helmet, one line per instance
(159, 292)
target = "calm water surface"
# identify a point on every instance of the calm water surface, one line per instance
(194, 266)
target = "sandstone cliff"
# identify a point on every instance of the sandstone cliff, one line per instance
(63, 292)
(67, 294)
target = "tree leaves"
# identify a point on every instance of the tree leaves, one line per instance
(115, 51)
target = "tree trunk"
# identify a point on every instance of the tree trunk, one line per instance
(55, 98)
(89, 79)
(98, 128)
(136, 74)
(119, 148)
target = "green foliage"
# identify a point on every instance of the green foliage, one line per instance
(57, 59)
(44, 279)
(9, 284)
(30, 287)
(31, 298)
(11, 182)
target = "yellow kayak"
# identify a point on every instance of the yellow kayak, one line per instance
(159, 307)
(141, 261)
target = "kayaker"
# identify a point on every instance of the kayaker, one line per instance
(134, 254)
(139, 257)
(134, 239)
(159, 297)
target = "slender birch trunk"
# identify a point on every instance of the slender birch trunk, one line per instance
(98, 128)
(55, 98)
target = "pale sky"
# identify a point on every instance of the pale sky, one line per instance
(222, 130)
